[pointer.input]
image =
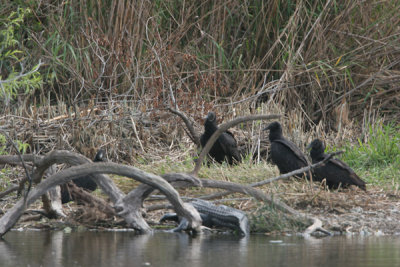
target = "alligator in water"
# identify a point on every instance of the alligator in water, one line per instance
(219, 216)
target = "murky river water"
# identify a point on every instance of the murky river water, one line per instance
(46, 248)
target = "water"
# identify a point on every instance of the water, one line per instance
(46, 248)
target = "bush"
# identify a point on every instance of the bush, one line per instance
(13, 60)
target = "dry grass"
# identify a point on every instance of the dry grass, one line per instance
(323, 60)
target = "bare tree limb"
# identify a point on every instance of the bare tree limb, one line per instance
(42, 163)
(182, 209)
(9, 190)
(129, 206)
(189, 125)
(90, 199)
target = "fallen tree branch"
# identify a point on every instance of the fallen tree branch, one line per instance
(42, 163)
(182, 209)
(129, 206)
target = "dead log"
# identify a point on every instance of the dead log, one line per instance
(52, 203)
(52, 198)
(131, 206)
(126, 209)
(43, 163)
(187, 211)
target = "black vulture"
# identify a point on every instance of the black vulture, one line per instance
(85, 182)
(285, 154)
(225, 148)
(336, 172)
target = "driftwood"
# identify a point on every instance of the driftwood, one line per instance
(52, 198)
(182, 209)
(127, 211)
(52, 203)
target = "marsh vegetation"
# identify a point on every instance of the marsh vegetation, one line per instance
(84, 75)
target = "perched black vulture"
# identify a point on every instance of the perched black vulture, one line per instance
(285, 154)
(85, 182)
(225, 148)
(336, 172)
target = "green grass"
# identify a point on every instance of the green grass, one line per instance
(376, 157)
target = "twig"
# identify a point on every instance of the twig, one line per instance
(172, 95)
(9, 190)
(22, 74)
(136, 133)
(189, 125)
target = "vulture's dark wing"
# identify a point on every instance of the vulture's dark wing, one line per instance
(203, 140)
(346, 174)
(300, 155)
(229, 145)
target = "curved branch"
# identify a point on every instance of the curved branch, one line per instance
(298, 171)
(192, 133)
(12, 215)
(130, 207)
(42, 163)
(71, 158)
(15, 160)
(222, 128)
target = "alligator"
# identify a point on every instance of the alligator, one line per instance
(212, 215)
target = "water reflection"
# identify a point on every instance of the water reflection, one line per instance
(44, 248)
